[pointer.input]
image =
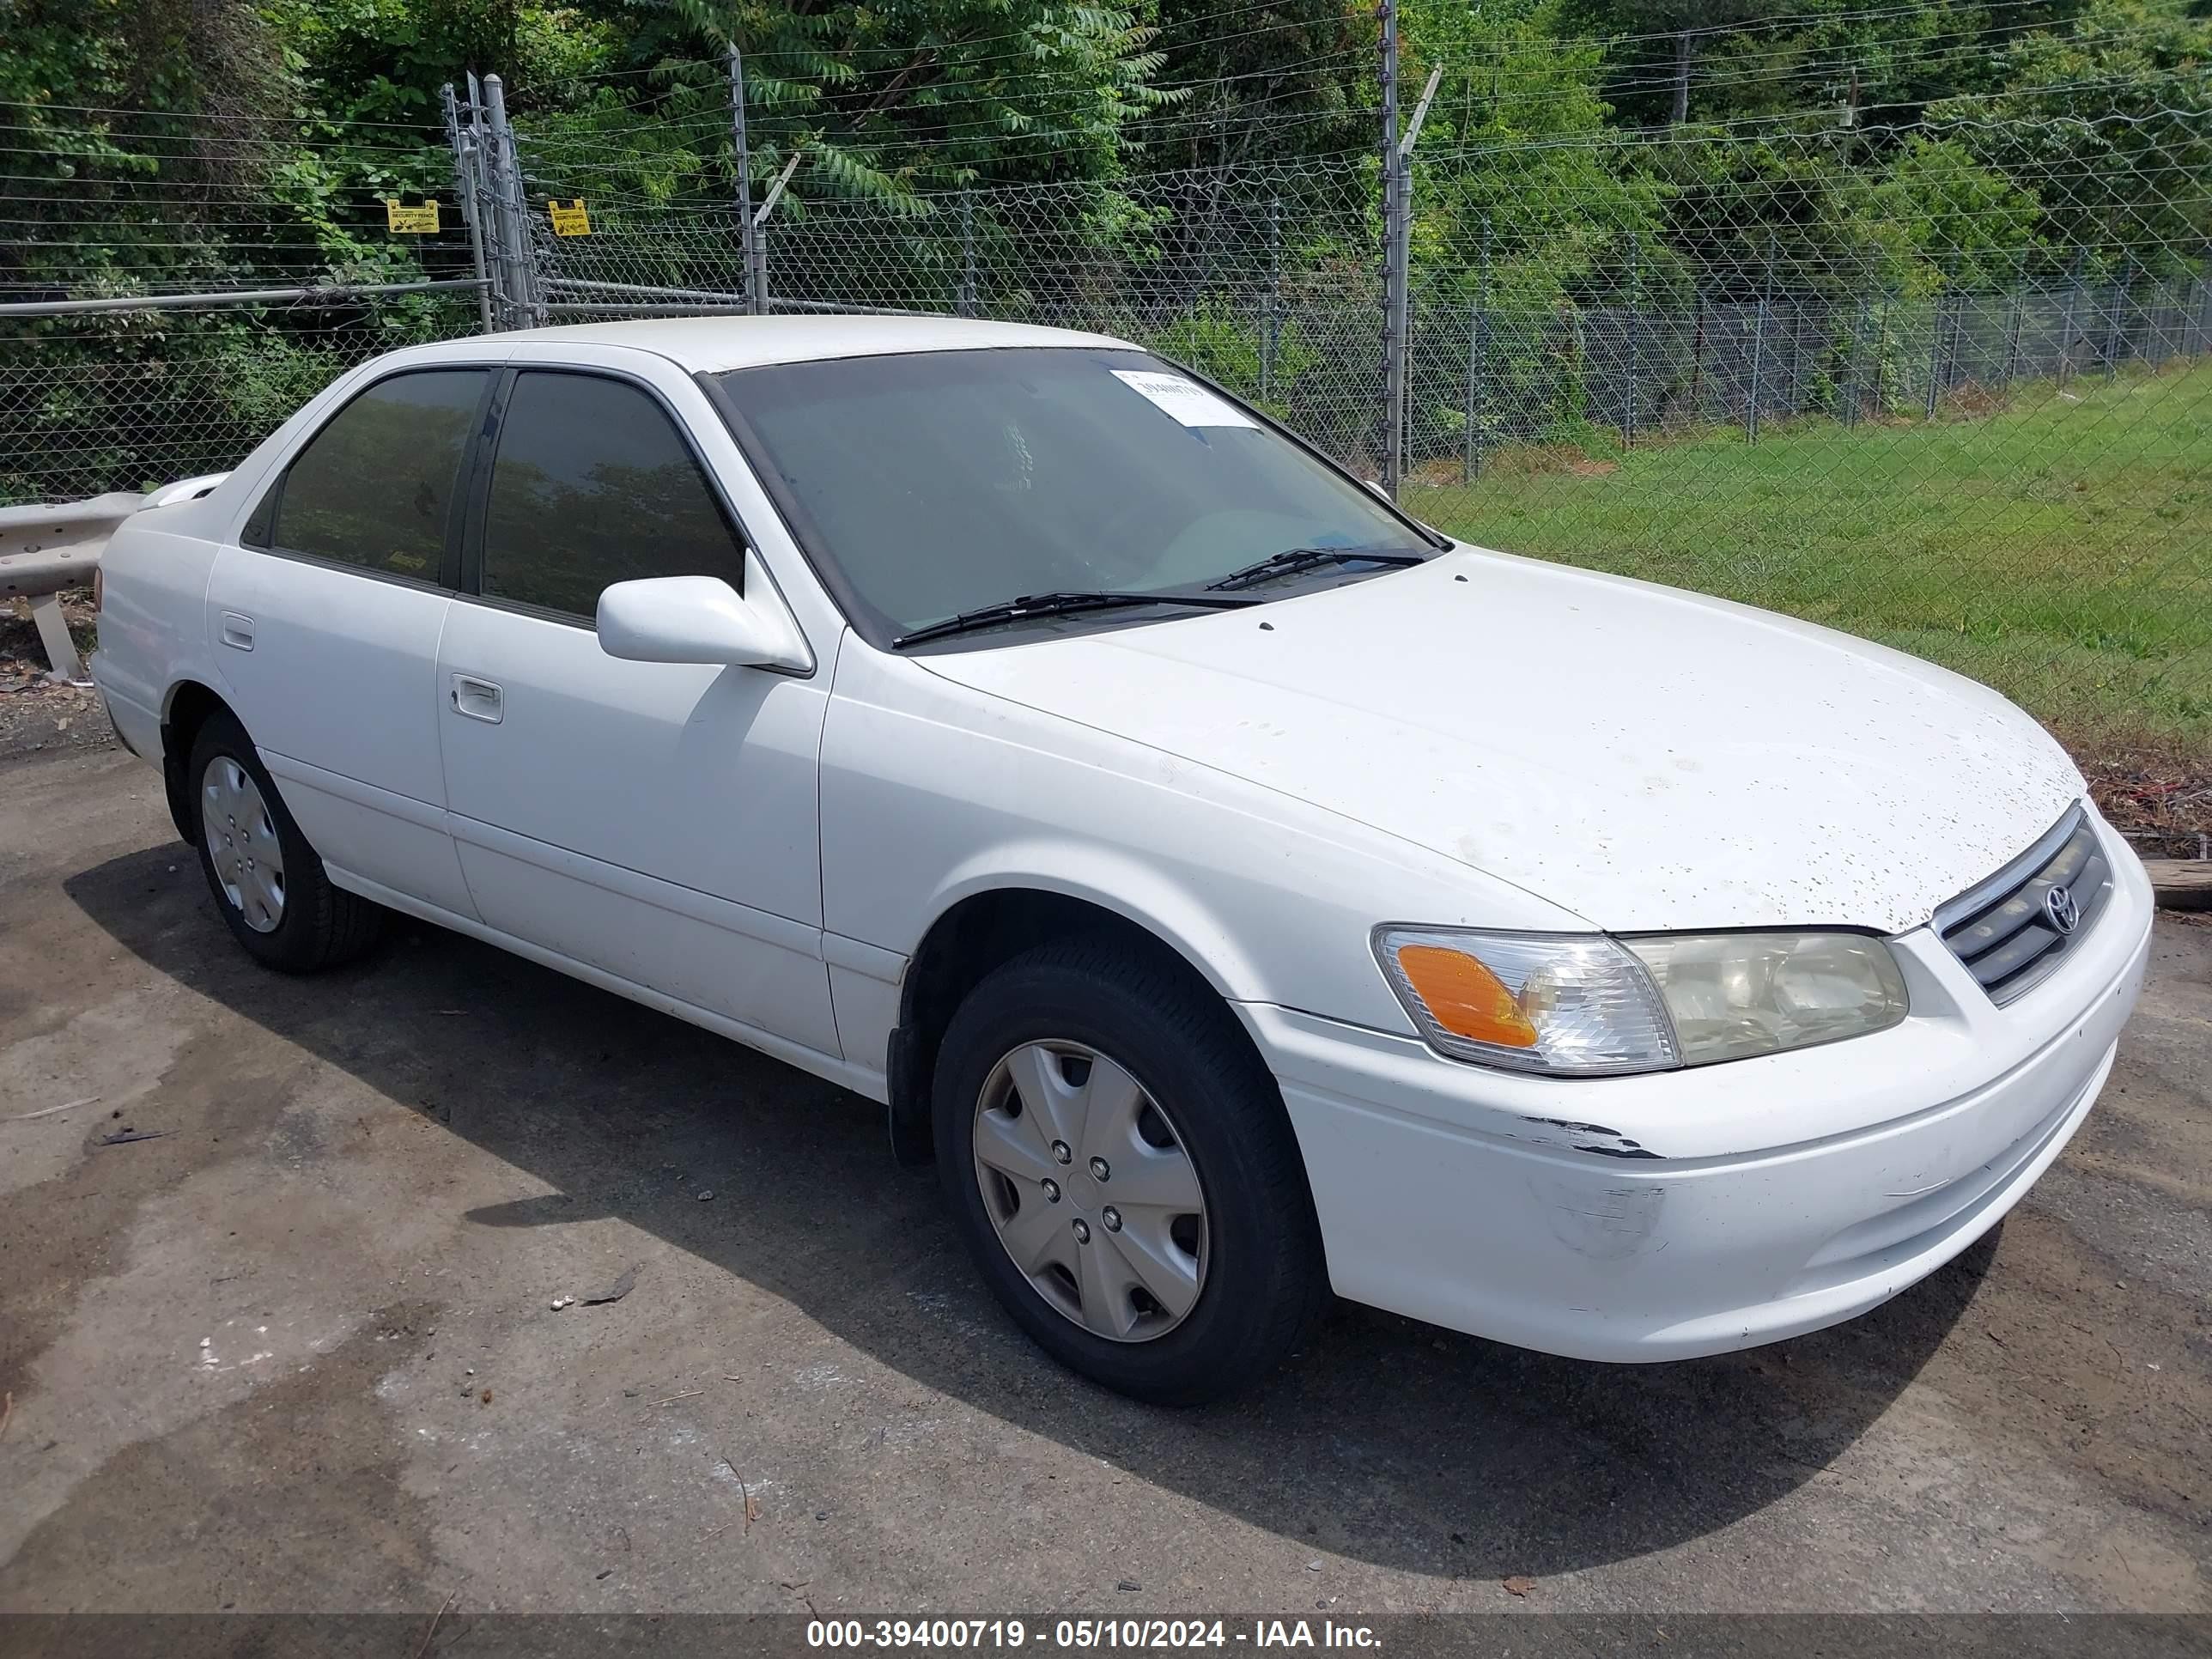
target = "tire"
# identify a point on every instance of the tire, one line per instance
(312, 925)
(1203, 1095)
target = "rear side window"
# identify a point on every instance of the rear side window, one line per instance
(592, 484)
(375, 488)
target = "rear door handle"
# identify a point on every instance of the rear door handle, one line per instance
(480, 700)
(237, 630)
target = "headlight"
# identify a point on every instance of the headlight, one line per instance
(1564, 1003)
(1736, 995)
(1584, 1004)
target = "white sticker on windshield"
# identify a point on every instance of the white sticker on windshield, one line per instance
(1188, 401)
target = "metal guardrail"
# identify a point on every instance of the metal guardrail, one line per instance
(49, 546)
(313, 293)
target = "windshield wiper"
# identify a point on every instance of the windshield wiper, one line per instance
(1305, 558)
(1053, 605)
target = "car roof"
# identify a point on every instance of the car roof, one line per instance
(710, 345)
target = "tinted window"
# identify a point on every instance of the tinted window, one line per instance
(374, 487)
(593, 485)
(942, 480)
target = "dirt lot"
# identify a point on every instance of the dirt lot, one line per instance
(299, 1351)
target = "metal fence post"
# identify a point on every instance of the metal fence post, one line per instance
(490, 216)
(1698, 356)
(2116, 334)
(1935, 347)
(967, 305)
(1758, 345)
(507, 300)
(2012, 333)
(1628, 401)
(1394, 275)
(1795, 372)
(1401, 325)
(2066, 320)
(1271, 302)
(1849, 405)
(506, 176)
(503, 239)
(1882, 350)
(1478, 353)
(465, 188)
(748, 248)
(2204, 304)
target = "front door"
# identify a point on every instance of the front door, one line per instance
(655, 821)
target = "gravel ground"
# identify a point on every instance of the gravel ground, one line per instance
(300, 1353)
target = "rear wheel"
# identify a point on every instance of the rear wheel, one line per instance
(1123, 1173)
(266, 879)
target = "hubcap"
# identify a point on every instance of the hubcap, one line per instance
(242, 844)
(1090, 1191)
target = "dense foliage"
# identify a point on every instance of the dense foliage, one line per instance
(1579, 154)
(314, 110)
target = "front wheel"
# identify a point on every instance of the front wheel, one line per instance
(1122, 1170)
(267, 880)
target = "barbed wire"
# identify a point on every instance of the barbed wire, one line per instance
(1549, 49)
(1950, 394)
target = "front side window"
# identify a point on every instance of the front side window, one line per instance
(591, 485)
(942, 482)
(376, 486)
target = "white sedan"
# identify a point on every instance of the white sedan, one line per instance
(1240, 890)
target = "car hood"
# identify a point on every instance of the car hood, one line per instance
(1643, 757)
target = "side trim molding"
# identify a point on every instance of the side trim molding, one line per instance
(405, 808)
(765, 926)
(845, 1073)
(857, 955)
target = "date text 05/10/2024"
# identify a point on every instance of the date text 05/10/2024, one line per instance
(955, 1634)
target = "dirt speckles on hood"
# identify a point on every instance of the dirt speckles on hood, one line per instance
(1644, 757)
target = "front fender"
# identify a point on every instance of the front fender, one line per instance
(1113, 878)
(932, 792)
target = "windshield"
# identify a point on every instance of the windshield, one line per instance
(941, 482)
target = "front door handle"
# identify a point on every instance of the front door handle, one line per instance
(238, 630)
(480, 700)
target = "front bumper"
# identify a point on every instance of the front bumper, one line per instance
(1697, 1212)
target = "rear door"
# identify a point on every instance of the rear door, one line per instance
(325, 626)
(655, 821)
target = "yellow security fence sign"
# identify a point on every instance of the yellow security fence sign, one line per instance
(411, 221)
(570, 220)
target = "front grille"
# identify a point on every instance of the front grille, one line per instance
(2010, 930)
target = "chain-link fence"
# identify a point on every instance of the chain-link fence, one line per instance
(1907, 382)
(128, 400)
(1264, 278)
(1921, 385)
(168, 297)
(1948, 386)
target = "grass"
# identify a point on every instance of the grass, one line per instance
(2058, 546)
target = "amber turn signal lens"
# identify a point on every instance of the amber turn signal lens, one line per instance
(1464, 997)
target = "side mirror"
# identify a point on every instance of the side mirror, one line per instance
(701, 619)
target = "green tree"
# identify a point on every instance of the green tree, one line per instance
(1518, 138)
(882, 101)
(2109, 124)
(1294, 78)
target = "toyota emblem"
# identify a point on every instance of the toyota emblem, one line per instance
(2059, 905)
